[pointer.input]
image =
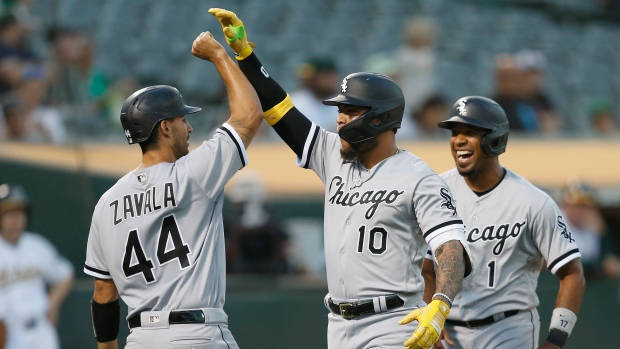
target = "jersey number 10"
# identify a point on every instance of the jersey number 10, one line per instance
(169, 230)
(372, 245)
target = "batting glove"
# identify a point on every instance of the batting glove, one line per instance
(430, 319)
(234, 31)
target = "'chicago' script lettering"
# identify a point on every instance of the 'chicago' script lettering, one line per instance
(356, 198)
(502, 233)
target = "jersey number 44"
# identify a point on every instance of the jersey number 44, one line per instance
(169, 230)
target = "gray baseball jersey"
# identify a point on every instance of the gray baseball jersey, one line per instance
(158, 232)
(512, 231)
(378, 221)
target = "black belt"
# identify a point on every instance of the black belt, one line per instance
(175, 317)
(352, 310)
(481, 322)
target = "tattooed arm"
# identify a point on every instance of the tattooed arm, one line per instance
(451, 261)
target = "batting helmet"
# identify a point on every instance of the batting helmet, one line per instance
(483, 113)
(377, 92)
(12, 196)
(146, 107)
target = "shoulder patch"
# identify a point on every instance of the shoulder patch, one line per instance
(564, 233)
(448, 202)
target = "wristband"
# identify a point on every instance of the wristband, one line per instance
(563, 319)
(444, 297)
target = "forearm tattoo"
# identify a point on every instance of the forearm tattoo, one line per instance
(450, 268)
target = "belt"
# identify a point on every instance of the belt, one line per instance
(481, 322)
(175, 317)
(351, 310)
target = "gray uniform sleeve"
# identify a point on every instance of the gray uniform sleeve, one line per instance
(552, 237)
(321, 151)
(436, 212)
(95, 264)
(216, 160)
(56, 268)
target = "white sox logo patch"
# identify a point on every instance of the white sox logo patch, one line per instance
(343, 86)
(502, 233)
(462, 107)
(565, 233)
(448, 203)
(356, 198)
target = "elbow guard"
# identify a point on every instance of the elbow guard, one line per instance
(106, 320)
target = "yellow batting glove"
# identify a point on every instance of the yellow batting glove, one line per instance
(234, 32)
(430, 319)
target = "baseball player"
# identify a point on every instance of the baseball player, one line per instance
(34, 278)
(156, 237)
(513, 229)
(383, 205)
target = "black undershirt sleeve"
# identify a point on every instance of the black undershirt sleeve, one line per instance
(290, 124)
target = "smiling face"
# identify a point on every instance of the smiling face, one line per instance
(466, 146)
(346, 114)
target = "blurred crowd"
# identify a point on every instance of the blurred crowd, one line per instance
(53, 91)
(46, 87)
(519, 87)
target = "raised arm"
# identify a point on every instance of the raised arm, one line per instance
(245, 109)
(280, 113)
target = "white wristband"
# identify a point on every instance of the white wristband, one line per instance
(563, 319)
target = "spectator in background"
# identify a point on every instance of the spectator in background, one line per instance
(422, 123)
(319, 78)
(532, 66)
(587, 227)
(24, 80)
(255, 243)
(415, 60)
(508, 83)
(77, 89)
(34, 278)
(602, 118)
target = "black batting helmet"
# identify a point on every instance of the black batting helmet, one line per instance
(377, 92)
(146, 107)
(12, 196)
(483, 113)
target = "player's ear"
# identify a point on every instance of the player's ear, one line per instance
(164, 128)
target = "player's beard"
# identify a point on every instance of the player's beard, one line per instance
(469, 172)
(354, 151)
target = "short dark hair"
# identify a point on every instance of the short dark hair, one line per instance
(151, 142)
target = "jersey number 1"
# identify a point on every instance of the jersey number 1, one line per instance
(169, 230)
(491, 266)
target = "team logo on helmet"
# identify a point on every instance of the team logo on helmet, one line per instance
(343, 86)
(462, 107)
(128, 135)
